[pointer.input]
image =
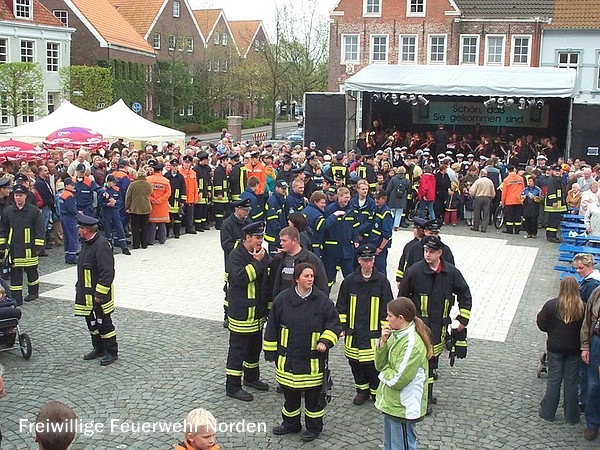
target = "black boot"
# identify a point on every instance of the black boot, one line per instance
(33, 293)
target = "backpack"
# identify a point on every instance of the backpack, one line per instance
(401, 190)
(57, 206)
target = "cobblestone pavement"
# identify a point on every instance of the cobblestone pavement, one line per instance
(172, 360)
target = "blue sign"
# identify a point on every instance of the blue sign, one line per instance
(136, 107)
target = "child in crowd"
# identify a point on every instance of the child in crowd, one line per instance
(467, 202)
(58, 430)
(200, 432)
(451, 204)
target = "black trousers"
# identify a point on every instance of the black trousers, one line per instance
(188, 218)
(220, 210)
(175, 224)
(242, 359)
(313, 414)
(512, 214)
(102, 331)
(366, 376)
(200, 215)
(552, 224)
(139, 230)
(16, 282)
(531, 225)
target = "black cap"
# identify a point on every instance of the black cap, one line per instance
(255, 229)
(110, 178)
(20, 189)
(4, 181)
(339, 156)
(241, 203)
(556, 167)
(80, 167)
(70, 182)
(255, 154)
(151, 162)
(157, 167)
(21, 177)
(234, 155)
(281, 184)
(187, 158)
(510, 168)
(419, 222)
(297, 170)
(123, 163)
(82, 219)
(433, 225)
(328, 179)
(174, 162)
(366, 251)
(202, 155)
(432, 243)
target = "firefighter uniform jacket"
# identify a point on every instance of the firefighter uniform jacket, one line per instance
(237, 180)
(191, 185)
(276, 219)
(402, 264)
(220, 185)
(294, 203)
(204, 183)
(231, 233)
(340, 172)
(296, 325)
(367, 172)
(317, 224)
(22, 232)
(84, 192)
(432, 293)
(159, 199)
(416, 254)
(257, 213)
(340, 238)
(95, 275)
(382, 227)
(362, 306)
(364, 214)
(246, 291)
(556, 195)
(177, 191)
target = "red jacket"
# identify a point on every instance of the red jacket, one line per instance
(427, 187)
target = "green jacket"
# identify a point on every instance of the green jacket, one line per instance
(403, 366)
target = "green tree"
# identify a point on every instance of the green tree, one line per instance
(22, 89)
(89, 87)
(174, 87)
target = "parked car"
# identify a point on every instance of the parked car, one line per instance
(297, 135)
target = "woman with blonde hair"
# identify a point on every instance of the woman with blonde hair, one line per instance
(561, 318)
(401, 356)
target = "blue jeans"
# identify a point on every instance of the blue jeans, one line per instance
(562, 369)
(397, 216)
(429, 205)
(398, 435)
(592, 404)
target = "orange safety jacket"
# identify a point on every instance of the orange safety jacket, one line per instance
(159, 199)
(191, 185)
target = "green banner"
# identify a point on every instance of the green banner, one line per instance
(471, 113)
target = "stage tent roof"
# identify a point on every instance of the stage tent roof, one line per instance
(464, 80)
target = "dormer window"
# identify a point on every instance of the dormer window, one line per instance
(176, 7)
(23, 9)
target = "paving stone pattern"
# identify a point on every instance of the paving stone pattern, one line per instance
(172, 356)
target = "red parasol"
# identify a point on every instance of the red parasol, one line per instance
(73, 138)
(18, 151)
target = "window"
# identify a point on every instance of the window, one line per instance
(158, 110)
(182, 111)
(568, 60)
(598, 77)
(149, 74)
(3, 111)
(495, 50)
(28, 106)
(225, 66)
(415, 8)
(51, 102)
(350, 48)
(149, 100)
(24, 9)
(190, 109)
(216, 38)
(3, 50)
(520, 50)
(257, 45)
(224, 39)
(176, 7)
(437, 49)
(216, 65)
(379, 49)
(172, 42)
(469, 50)
(27, 51)
(156, 41)
(52, 52)
(190, 44)
(61, 15)
(372, 8)
(408, 49)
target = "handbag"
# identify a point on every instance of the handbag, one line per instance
(325, 396)
(6, 266)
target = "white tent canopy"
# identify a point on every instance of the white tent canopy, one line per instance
(464, 80)
(116, 121)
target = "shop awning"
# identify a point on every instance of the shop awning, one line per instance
(480, 81)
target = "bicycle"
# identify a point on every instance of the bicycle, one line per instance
(498, 216)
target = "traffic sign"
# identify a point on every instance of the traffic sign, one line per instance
(136, 107)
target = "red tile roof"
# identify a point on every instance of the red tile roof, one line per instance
(139, 13)
(41, 15)
(111, 25)
(206, 19)
(244, 32)
(576, 14)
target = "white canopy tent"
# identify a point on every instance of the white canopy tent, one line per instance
(464, 80)
(116, 121)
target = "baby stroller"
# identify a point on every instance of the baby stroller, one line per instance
(9, 326)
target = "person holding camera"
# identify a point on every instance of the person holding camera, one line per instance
(303, 325)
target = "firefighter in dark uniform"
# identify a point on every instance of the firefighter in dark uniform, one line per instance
(246, 313)
(303, 325)
(366, 171)
(237, 177)
(275, 214)
(362, 305)
(221, 192)
(231, 235)
(84, 191)
(430, 228)
(380, 234)
(68, 220)
(432, 284)
(5, 193)
(176, 199)
(418, 234)
(338, 170)
(203, 179)
(22, 238)
(94, 290)
(23, 180)
(554, 204)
